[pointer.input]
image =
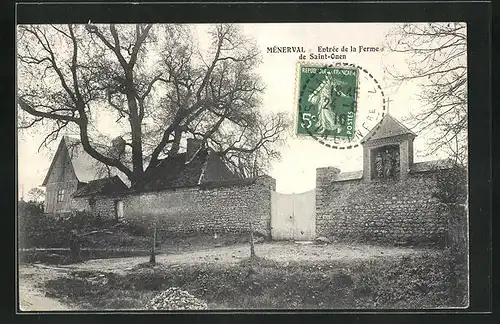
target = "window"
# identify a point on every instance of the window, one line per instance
(60, 195)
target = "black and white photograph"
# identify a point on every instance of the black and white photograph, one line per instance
(242, 166)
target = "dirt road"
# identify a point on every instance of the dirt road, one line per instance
(31, 295)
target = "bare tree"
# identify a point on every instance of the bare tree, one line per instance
(436, 56)
(161, 85)
(36, 194)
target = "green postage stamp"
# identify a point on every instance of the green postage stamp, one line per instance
(327, 101)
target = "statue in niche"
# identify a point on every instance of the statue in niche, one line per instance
(396, 162)
(379, 166)
(387, 162)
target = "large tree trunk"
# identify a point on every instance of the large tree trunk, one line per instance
(136, 128)
(136, 151)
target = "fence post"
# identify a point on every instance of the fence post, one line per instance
(252, 247)
(152, 258)
(74, 246)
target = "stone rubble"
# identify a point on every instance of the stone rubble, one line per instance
(322, 239)
(258, 239)
(176, 299)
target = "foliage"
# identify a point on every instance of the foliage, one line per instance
(37, 229)
(452, 185)
(85, 221)
(160, 84)
(134, 228)
(36, 194)
(452, 192)
(437, 59)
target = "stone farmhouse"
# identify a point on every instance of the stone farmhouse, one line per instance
(190, 192)
(74, 173)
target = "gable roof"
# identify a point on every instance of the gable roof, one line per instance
(104, 186)
(173, 172)
(60, 150)
(387, 127)
(86, 168)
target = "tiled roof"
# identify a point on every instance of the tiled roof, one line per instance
(105, 186)
(173, 172)
(216, 170)
(387, 127)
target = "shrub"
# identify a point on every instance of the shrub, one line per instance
(134, 228)
(452, 185)
(84, 221)
(452, 193)
(37, 229)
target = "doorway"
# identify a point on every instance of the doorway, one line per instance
(293, 216)
(119, 210)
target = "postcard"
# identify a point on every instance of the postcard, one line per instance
(247, 166)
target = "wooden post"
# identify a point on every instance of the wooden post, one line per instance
(152, 258)
(252, 248)
(75, 246)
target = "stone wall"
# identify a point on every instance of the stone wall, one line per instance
(389, 211)
(212, 209)
(104, 206)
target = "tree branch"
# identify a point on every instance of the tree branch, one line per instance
(29, 109)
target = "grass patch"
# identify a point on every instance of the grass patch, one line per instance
(410, 282)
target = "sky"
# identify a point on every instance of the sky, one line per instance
(296, 170)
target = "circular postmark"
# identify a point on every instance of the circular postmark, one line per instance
(338, 104)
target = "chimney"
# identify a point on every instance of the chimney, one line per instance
(193, 144)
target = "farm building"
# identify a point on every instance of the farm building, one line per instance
(73, 171)
(189, 192)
